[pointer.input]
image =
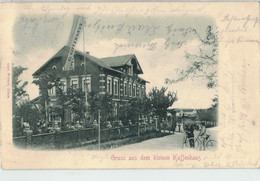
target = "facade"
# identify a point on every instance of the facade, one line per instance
(116, 76)
(186, 113)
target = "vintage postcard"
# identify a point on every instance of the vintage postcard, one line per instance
(130, 85)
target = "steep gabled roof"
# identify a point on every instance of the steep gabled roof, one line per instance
(63, 53)
(97, 61)
(118, 60)
(122, 60)
(60, 53)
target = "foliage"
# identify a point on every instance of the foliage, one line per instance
(46, 82)
(134, 110)
(210, 114)
(160, 101)
(19, 94)
(215, 102)
(72, 98)
(104, 102)
(29, 113)
(18, 98)
(138, 107)
(204, 63)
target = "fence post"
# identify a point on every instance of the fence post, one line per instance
(99, 129)
(78, 140)
(138, 129)
(109, 134)
(156, 124)
(57, 141)
(28, 134)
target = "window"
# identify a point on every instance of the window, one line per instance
(74, 83)
(130, 90)
(115, 86)
(130, 70)
(125, 88)
(52, 91)
(143, 91)
(63, 85)
(134, 90)
(109, 85)
(86, 83)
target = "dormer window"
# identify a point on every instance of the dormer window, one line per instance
(54, 67)
(130, 70)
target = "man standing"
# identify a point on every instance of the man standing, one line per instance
(190, 134)
(173, 124)
(203, 135)
(179, 125)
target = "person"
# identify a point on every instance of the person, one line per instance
(120, 124)
(109, 125)
(203, 135)
(129, 122)
(190, 134)
(173, 125)
(179, 125)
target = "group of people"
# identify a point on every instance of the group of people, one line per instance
(189, 130)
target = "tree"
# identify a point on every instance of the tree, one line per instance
(46, 82)
(210, 115)
(204, 63)
(138, 107)
(30, 114)
(160, 101)
(77, 103)
(19, 94)
(18, 98)
(71, 99)
(74, 100)
(100, 102)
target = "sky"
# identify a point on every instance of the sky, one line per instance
(159, 44)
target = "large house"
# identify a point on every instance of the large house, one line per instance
(117, 76)
(191, 113)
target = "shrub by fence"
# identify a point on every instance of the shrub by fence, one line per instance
(81, 136)
(20, 141)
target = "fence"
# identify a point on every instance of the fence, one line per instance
(20, 141)
(81, 136)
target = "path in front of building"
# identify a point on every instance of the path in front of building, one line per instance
(173, 141)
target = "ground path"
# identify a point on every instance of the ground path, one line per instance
(173, 141)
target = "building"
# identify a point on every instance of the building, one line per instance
(117, 76)
(191, 113)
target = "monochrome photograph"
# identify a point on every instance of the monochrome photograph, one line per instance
(115, 82)
(170, 83)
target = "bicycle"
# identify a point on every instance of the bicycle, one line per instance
(186, 141)
(210, 144)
